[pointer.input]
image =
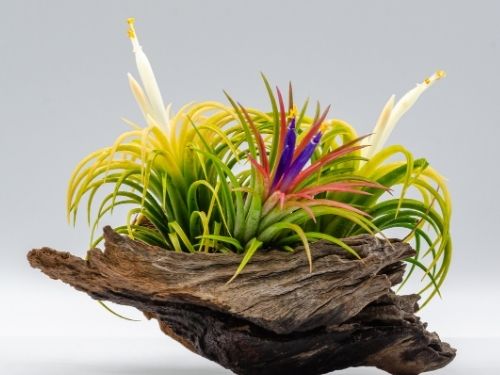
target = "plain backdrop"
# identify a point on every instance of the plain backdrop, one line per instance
(63, 90)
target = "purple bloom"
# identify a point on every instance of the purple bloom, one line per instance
(287, 154)
(299, 162)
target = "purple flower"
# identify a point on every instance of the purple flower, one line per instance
(294, 169)
(287, 154)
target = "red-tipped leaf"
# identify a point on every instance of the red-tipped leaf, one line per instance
(337, 153)
(282, 134)
(344, 187)
(258, 137)
(332, 203)
(311, 133)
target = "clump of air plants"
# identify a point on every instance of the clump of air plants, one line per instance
(226, 178)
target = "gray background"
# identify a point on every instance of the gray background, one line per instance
(63, 89)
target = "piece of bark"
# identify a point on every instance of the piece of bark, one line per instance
(276, 317)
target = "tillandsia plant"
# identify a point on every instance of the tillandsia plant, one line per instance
(218, 177)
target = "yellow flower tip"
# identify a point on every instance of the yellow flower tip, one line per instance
(323, 127)
(131, 28)
(441, 74)
(293, 111)
(436, 76)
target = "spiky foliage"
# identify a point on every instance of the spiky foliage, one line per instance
(201, 188)
(225, 178)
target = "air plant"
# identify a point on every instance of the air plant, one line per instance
(218, 177)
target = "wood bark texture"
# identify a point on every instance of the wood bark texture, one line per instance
(276, 317)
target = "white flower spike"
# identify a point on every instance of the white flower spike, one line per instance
(391, 114)
(152, 104)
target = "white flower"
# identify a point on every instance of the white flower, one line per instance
(391, 114)
(150, 100)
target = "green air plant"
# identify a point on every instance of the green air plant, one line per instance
(225, 178)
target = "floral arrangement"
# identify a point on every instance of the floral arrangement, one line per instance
(227, 178)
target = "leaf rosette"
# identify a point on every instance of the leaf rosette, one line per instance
(217, 177)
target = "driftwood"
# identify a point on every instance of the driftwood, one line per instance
(276, 317)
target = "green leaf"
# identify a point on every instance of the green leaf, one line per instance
(253, 246)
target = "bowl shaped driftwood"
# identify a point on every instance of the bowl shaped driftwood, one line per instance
(276, 317)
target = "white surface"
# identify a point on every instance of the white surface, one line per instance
(155, 356)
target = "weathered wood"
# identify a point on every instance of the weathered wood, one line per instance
(276, 317)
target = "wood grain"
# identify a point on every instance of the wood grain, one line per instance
(276, 317)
